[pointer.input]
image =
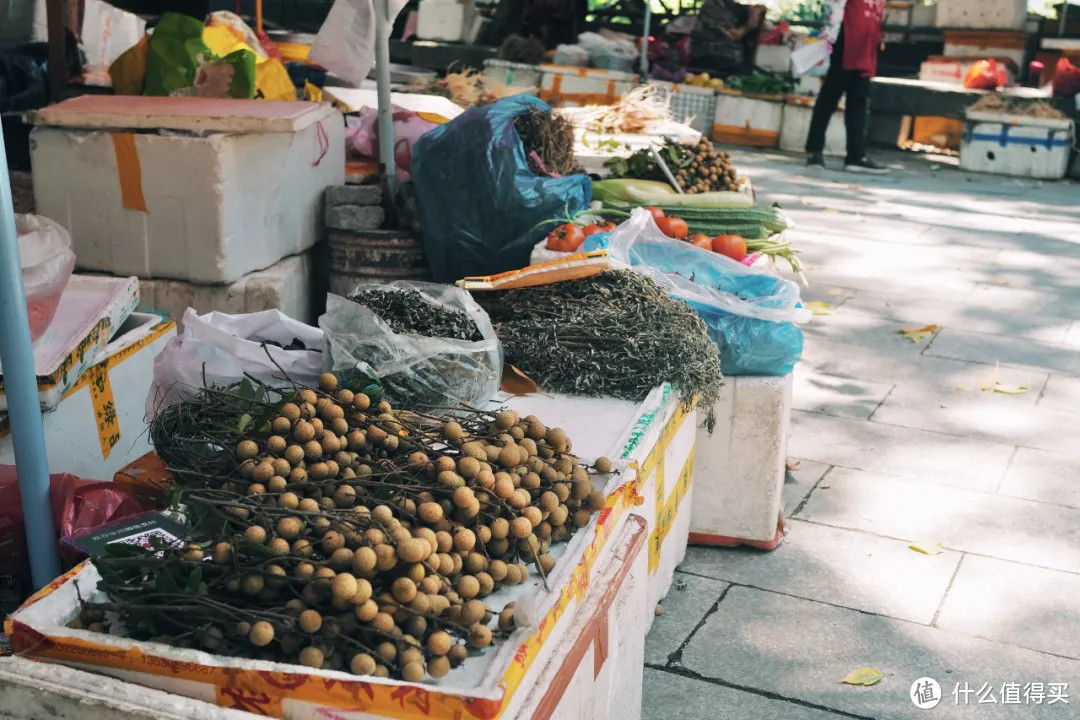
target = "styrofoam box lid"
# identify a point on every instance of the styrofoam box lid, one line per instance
(506, 64)
(1022, 120)
(182, 113)
(598, 73)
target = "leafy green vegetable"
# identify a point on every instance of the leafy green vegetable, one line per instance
(760, 83)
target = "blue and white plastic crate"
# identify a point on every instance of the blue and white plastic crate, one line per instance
(1016, 145)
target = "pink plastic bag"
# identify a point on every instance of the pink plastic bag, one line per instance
(47, 262)
(362, 136)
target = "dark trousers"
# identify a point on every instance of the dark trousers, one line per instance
(840, 82)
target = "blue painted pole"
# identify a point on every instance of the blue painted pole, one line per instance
(20, 387)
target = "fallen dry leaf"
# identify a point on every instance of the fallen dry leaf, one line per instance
(516, 382)
(818, 307)
(824, 486)
(835, 292)
(793, 464)
(917, 335)
(926, 548)
(963, 388)
(863, 676)
(1011, 389)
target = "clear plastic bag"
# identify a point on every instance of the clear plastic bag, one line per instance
(218, 349)
(47, 262)
(415, 371)
(750, 314)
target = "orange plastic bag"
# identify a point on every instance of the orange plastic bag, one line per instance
(985, 75)
(1066, 79)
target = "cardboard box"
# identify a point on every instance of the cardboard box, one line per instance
(795, 127)
(97, 427)
(752, 120)
(207, 198)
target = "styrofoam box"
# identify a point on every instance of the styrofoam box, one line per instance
(774, 58)
(597, 673)
(657, 435)
(982, 14)
(747, 120)
(577, 86)
(285, 286)
(441, 20)
(1016, 145)
(511, 74)
(739, 479)
(981, 50)
(689, 104)
(491, 684)
(98, 426)
(218, 206)
(796, 126)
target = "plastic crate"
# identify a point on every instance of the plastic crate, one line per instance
(1016, 145)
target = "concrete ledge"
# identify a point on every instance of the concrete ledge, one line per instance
(32, 690)
(739, 475)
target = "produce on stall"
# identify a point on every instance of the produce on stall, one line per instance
(548, 139)
(333, 531)
(615, 334)
(697, 168)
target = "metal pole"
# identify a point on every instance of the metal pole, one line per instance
(20, 386)
(645, 41)
(382, 81)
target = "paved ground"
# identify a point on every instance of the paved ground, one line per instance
(897, 443)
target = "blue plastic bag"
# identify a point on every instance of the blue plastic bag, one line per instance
(479, 202)
(750, 314)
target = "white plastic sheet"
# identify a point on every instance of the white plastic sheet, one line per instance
(345, 44)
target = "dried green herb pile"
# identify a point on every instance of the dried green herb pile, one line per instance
(406, 311)
(616, 334)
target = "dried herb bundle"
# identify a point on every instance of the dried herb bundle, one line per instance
(551, 137)
(406, 311)
(615, 334)
(335, 532)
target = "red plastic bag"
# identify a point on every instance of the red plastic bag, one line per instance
(78, 506)
(985, 75)
(1066, 81)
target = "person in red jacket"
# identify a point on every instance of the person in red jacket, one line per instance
(852, 64)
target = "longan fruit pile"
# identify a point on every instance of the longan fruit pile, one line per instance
(365, 539)
(709, 170)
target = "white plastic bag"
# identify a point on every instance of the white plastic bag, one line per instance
(415, 370)
(218, 349)
(345, 44)
(47, 262)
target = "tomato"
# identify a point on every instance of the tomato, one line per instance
(702, 241)
(565, 238)
(591, 229)
(673, 227)
(656, 212)
(607, 227)
(732, 246)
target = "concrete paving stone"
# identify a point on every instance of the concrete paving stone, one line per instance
(1061, 393)
(979, 347)
(1015, 604)
(801, 649)
(686, 604)
(1043, 476)
(909, 366)
(1045, 238)
(983, 415)
(840, 567)
(1045, 300)
(832, 395)
(961, 313)
(667, 696)
(799, 480)
(354, 218)
(854, 326)
(960, 519)
(1034, 270)
(1072, 337)
(874, 447)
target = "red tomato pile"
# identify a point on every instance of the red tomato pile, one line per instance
(568, 237)
(733, 246)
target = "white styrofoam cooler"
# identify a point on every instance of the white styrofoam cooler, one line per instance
(748, 120)
(511, 74)
(774, 58)
(577, 86)
(739, 476)
(1016, 145)
(796, 126)
(97, 427)
(441, 20)
(982, 14)
(689, 104)
(214, 205)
